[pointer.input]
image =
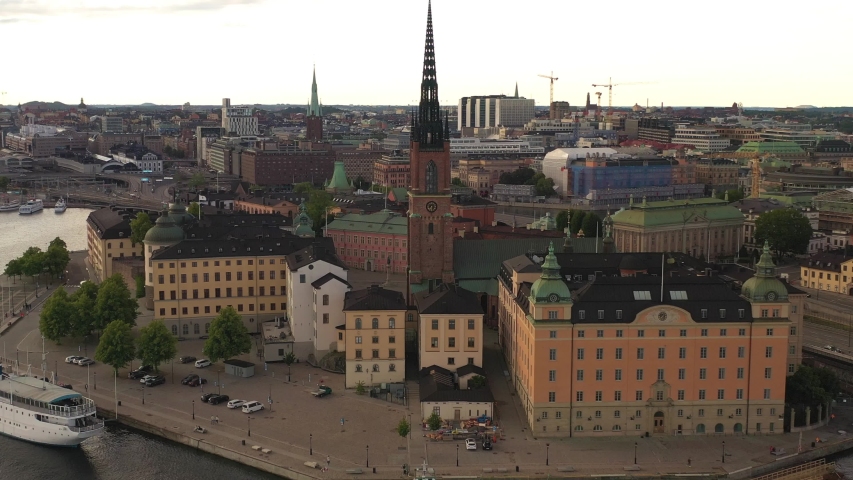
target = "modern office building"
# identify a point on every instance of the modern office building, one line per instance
(112, 124)
(704, 138)
(286, 166)
(477, 146)
(646, 355)
(656, 130)
(238, 121)
(494, 111)
(392, 170)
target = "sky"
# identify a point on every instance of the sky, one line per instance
(370, 52)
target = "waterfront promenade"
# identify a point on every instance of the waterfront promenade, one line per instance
(301, 428)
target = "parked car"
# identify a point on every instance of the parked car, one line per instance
(72, 359)
(202, 363)
(140, 372)
(187, 359)
(470, 444)
(198, 381)
(252, 406)
(189, 378)
(217, 399)
(206, 397)
(236, 403)
(155, 380)
(85, 361)
(145, 378)
(487, 444)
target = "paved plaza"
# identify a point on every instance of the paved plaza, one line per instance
(300, 427)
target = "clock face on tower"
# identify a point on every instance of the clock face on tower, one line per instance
(431, 207)
(771, 296)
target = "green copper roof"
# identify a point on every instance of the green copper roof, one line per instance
(304, 224)
(546, 222)
(672, 212)
(379, 222)
(164, 232)
(770, 147)
(339, 182)
(765, 286)
(314, 108)
(550, 287)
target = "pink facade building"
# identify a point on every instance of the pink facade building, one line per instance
(374, 242)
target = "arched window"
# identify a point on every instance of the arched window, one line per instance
(195, 328)
(738, 428)
(430, 229)
(358, 324)
(431, 177)
(700, 428)
(174, 329)
(358, 367)
(392, 323)
(375, 323)
(186, 329)
(578, 428)
(718, 428)
(375, 367)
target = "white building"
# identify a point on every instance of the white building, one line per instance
(494, 111)
(147, 162)
(238, 121)
(305, 267)
(112, 124)
(701, 137)
(557, 164)
(473, 146)
(328, 305)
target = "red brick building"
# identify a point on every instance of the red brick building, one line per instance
(281, 167)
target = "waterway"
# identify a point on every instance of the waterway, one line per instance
(20, 232)
(118, 454)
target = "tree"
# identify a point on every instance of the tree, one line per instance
(519, 177)
(434, 421)
(458, 182)
(32, 262)
(787, 230)
(4, 183)
(734, 195)
(139, 226)
(116, 347)
(577, 221)
(810, 386)
(180, 176)
(591, 225)
(288, 359)
(84, 300)
(15, 268)
(156, 344)
(114, 302)
(194, 209)
(57, 314)
(304, 187)
(140, 285)
(198, 180)
(228, 336)
(359, 387)
(403, 428)
(477, 381)
(57, 258)
(544, 185)
(319, 203)
(562, 220)
(361, 183)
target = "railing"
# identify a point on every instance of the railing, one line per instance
(88, 428)
(814, 469)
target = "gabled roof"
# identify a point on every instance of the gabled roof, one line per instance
(374, 298)
(322, 249)
(437, 385)
(470, 368)
(448, 299)
(328, 278)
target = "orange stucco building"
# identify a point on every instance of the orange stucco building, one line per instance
(633, 355)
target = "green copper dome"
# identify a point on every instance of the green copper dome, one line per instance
(765, 286)
(178, 213)
(303, 223)
(550, 287)
(164, 232)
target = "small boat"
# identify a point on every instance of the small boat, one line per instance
(7, 205)
(31, 206)
(60, 206)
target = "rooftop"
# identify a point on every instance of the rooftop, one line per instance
(381, 222)
(437, 385)
(234, 247)
(319, 249)
(374, 298)
(277, 331)
(448, 299)
(328, 278)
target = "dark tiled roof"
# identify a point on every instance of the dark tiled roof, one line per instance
(470, 368)
(231, 247)
(320, 249)
(826, 261)
(620, 293)
(374, 298)
(328, 278)
(114, 223)
(437, 385)
(448, 299)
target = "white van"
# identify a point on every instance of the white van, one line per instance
(252, 406)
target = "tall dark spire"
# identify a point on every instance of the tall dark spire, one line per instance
(429, 131)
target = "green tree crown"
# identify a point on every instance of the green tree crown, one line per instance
(156, 344)
(139, 226)
(787, 230)
(228, 336)
(116, 347)
(114, 302)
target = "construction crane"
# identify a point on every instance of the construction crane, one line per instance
(610, 86)
(553, 79)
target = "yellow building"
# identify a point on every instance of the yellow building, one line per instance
(828, 272)
(108, 237)
(373, 336)
(451, 328)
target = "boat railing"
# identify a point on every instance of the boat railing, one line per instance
(86, 407)
(88, 428)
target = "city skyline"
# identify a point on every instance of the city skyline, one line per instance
(366, 56)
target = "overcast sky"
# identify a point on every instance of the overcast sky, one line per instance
(757, 52)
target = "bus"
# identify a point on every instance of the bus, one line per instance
(144, 180)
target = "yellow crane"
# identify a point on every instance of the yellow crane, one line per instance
(553, 79)
(610, 86)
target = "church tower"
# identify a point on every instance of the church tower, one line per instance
(314, 117)
(430, 220)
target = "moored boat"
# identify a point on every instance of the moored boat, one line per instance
(31, 206)
(60, 206)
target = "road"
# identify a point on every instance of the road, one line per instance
(821, 335)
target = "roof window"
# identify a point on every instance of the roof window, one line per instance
(642, 295)
(678, 295)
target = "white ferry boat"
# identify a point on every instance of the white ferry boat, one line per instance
(41, 412)
(32, 206)
(60, 206)
(7, 205)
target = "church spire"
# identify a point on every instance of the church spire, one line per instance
(516, 89)
(429, 131)
(314, 109)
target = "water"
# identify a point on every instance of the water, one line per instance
(118, 454)
(20, 232)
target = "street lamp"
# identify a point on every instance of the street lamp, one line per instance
(96, 380)
(457, 454)
(547, 454)
(724, 451)
(143, 394)
(193, 409)
(367, 464)
(635, 453)
(249, 426)
(310, 444)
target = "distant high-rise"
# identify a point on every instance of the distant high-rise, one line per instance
(495, 111)
(238, 121)
(314, 116)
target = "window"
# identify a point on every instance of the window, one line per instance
(552, 397)
(739, 395)
(580, 354)
(703, 374)
(325, 299)
(619, 332)
(721, 373)
(618, 375)
(701, 394)
(434, 342)
(701, 414)
(619, 353)
(793, 331)
(451, 325)
(599, 333)
(451, 342)
(704, 331)
(741, 352)
(791, 368)
(451, 361)
(722, 352)
(703, 352)
(375, 323)
(374, 340)
(358, 324)
(552, 314)
(740, 373)
(580, 375)
(638, 395)
(741, 331)
(544, 415)
(641, 333)
(768, 352)
(661, 353)
(769, 332)
(435, 324)
(431, 178)
(661, 333)
(704, 314)
(619, 317)
(552, 354)
(578, 396)
(767, 394)
(768, 372)
(682, 352)
(639, 374)
(660, 374)
(640, 353)
(682, 333)
(617, 397)
(392, 339)
(392, 323)
(325, 318)
(599, 375)
(552, 334)
(470, 342)
(599, 354)
(552, 375)
(581, 334)
(680, 397)
(659, 395)
(682, 373)
(471, 327)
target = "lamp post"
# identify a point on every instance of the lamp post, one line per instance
(249, 426)
(457, 454)
(143, 394)
(547, 454)
(724, 451)
(410, 426)
(310, 444)
(635, 453)
(367, 464)
(193, 409)
(96, 379)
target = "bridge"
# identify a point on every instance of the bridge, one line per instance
(840, 363)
